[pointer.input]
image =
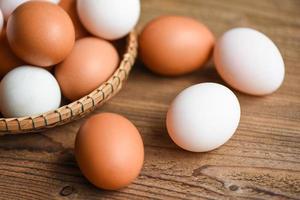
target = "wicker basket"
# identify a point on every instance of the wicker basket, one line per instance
(79, 108)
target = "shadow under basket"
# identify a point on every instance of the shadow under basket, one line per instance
(81, 107)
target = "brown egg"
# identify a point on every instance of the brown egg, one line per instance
(91, 62)
(8, 60)
(41, 33)
(70, 7)
(175, 45)
(109, 151)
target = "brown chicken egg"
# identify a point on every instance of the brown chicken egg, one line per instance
(8, 60)
(91, 62)
(40, 33)
(175, 45)
(109, 151)
(70, 7)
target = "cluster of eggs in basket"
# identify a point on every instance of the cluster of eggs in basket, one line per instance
(108, 147)
(69, 38)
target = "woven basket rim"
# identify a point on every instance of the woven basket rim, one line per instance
(80, 107)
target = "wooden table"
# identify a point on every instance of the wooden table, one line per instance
(261, 161)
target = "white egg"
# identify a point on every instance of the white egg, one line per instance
(109, 19)
(203, 117)
(8, 6)
(249, 61)
(1, 21)
(27, 91)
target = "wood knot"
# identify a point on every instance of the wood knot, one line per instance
(233, 187)
(198, 171)
(67, 190)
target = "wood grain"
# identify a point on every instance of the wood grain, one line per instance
(261, 161)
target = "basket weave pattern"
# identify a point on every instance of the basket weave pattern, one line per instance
(79, 108)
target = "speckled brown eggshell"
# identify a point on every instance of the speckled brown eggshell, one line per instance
(109, 151)
(175, 45)
(40, 33)
(91, 62)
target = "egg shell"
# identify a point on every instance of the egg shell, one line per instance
(40, 33)
(203, 117)
(8, 60)
(70, 7)
(175, 45)
(91, 62)
(111, 19)
(1, 21)
(27, 91)
(109, 151)
(53, 1)
(249, 61)
(8, 6)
